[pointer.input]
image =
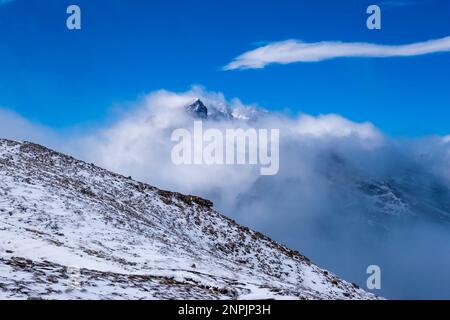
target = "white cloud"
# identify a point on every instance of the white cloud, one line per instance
(139, 144)
(333, 125)
(291, 51)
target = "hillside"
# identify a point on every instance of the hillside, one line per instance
(71, 230)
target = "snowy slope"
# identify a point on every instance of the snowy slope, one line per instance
(69, 229)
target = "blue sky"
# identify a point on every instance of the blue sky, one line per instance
(62, 78)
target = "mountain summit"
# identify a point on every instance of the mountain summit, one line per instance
(197, 109)
(72, 230)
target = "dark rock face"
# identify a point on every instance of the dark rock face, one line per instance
(197, 109)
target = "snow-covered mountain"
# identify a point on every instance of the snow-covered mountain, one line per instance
(69, 229)
(222, 111)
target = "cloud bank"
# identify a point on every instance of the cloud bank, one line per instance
(346, 195)
(292, 51)
(315, 203)
(139, 144)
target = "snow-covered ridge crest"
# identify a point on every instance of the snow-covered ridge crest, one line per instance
(130, 240)
(221, 111)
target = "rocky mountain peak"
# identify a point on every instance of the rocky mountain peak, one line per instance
(197, 109)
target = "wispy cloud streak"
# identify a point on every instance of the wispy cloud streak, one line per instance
(291, 51)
